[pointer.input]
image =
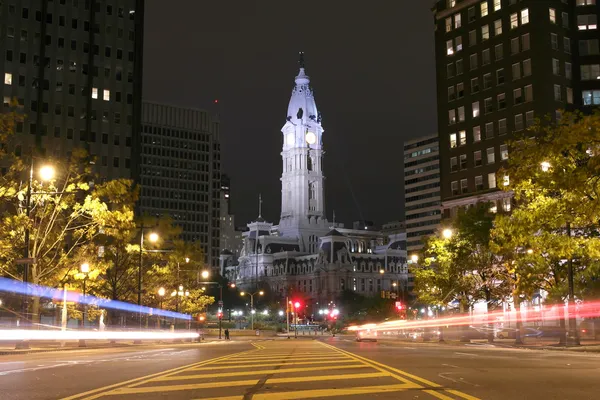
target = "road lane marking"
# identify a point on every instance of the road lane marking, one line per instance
(450, 365)
(285, 359)
(275, 364)
(408, 375)
(253, 372)
(466, 354)
(439, 395)
(320, 393)
(95, 392)
(213, 385)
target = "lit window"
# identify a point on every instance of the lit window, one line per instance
(451, 116)
(476, 134)
(450, 3)
(94, 93)
(485, 32)
(590, 72)
(462, 135)
(484, 8)
(449, 48)
(475, 109)
(7, 78)
(591, 97)
(514, 21)
(586, 2)
(524, 16)
(106, 95)
(585, 22)
(461, 114)
(497, 5)
(448, 24)
(491, 155)
(506, 204)
(498, 27)
(492, 180)
(457, 21)
(452, 140)
(552, 13)
(505, 180)
(504, 152)
(458, 43)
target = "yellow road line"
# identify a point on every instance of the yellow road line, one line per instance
(252, 382)
(408, 375)
(320, 393)
(289, 357)
(171, 371)
(439, 395)
(264, 355)
(275, 364)
(343, 357)
(254, 372)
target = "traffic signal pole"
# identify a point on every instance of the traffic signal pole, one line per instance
(221, 311)
(287, 315)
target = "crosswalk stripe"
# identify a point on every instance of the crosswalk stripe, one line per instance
(255, 372)
(288, 356)
(339, 357)
(274, 364)
(321, 393)
(212, 385)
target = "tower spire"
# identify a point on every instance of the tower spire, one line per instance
(301, 60)
(260, 205)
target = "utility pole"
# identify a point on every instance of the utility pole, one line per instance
(287, 315)
(572, 334)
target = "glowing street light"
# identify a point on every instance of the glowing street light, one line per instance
(205, 274)
(153, 237)
(280, 312)
(47, 172)
(447, 233)
(529, 251)
(382, 271)
(545, 166)
(414, 258)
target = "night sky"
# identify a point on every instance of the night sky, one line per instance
(372, 70)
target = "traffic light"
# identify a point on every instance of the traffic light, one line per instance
(399, 306)
(220, 314)
(297, 305)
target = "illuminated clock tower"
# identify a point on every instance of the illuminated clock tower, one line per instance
(302, 201)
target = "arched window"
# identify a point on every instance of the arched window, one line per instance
(309, 163)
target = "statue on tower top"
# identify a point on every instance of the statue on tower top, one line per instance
(301, 60)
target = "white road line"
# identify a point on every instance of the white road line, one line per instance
(450, 365)
(466, 354)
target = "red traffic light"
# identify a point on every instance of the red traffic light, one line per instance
(220, 315)
(296, 304)
(399, 305)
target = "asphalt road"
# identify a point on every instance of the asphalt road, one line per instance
(328, 368)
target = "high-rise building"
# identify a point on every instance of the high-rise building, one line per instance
(181, 172)
(500, 65)
(75, 69)
(231, 239)
(422, 206)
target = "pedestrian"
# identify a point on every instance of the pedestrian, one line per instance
(226, 334)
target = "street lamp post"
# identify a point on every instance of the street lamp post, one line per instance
(260, 293)
(85, 270)
(161, 294)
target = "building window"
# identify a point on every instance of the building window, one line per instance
(464, 188)
(588, 47)
(591, 97)
(453, 142)
(567, 45)
(557, 93)
(7, 78)
(505, 180)
(485, 57)
(525, 42)
(587, 22)
(489, 130)
(500, 76)
(458, 43)
(524, 16)
(474, 85)
(514, 21)
(484, 8)
(453, 164)
(502, 126)
(528, 93)
(499, 52)
(518, 122)
(478, 183)
(491, 156)
(488, 105)
(487, 81)
(459, 67)
(497, 5)
(106, 95)
(454, 188)
(565, 20)
(506, 203)
(475, 109)
(451, 93)
(450, 3)
(492, 180)
(485, 33)
(471, 14)
(514, 45)
(554, 41)
(460, 90)
(449, 70)
(461, 114)
(463, 161)
(451, 117)
(448, 24)
(590, 72)
(527, 67)
(94, 93)
(552, 14)
(473, 61)
(569, 95)
(529, 120)
(586, 2)
(476, 134)
(568, 71)
(472, 38)
(518, 96)
(449, 47)
(555, 66)
(457, 21)
(462, 137)
(503, 152)
(477, 158)
(501, 101)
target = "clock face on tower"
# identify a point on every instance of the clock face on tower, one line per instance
(311, 138)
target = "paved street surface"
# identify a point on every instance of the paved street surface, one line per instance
(281, 369)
